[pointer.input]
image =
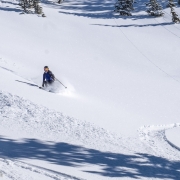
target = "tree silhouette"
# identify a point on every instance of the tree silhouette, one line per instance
(124, 7)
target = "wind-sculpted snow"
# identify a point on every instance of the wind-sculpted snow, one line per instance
(19, 113)
(69, 142)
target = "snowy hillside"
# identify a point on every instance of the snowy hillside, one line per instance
(123, 93)
(65, 144)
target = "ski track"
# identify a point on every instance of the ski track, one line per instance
(13, 170)
(23, 116)
(154, 138)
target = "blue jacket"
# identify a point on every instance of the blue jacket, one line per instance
(48, 76)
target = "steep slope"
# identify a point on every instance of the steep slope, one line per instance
(121, 74)
(120, 71)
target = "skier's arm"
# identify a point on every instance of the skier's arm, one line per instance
(52, 75)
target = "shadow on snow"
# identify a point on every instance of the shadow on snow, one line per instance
(133, 25)
(104, 9)
(94, 9)
(10, 9)
(112, 164)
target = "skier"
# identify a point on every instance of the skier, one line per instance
(48, 77)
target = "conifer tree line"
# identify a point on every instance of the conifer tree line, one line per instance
(125, 7)
(27, 5)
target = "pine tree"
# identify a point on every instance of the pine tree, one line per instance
(154, 8)
(37, 8)
(124, 7)
(29, 4)
(175, 17)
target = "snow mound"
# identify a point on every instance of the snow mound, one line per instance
(93, 145)
(21, 115)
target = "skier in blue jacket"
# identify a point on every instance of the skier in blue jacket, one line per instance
(48, 77)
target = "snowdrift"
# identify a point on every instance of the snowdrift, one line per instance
(65, 141)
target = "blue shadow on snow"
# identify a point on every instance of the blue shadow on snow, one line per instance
(111, 164)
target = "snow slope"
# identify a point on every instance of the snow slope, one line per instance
(77, 147)
(122, 75)
(172, 135)
(114, 87)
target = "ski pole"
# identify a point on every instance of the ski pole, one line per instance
(61, 82)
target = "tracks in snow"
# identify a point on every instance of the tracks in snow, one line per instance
(154, 138)
(23, 171)
(22, 116)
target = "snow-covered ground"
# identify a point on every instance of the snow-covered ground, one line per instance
(123, 94)
(172, 136)
(36, 141)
